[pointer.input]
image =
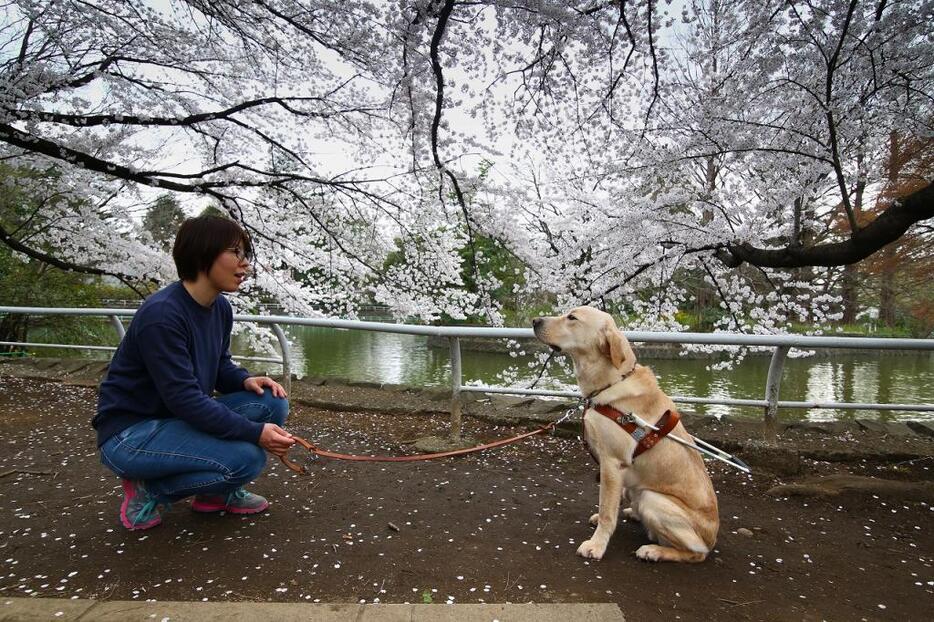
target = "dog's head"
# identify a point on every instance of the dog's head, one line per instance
(586, 333)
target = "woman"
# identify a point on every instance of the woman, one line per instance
(157, 425)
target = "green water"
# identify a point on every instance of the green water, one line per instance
(404, 359)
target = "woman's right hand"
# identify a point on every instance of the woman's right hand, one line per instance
(275, 440)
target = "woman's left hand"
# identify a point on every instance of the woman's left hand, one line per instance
(256, 384)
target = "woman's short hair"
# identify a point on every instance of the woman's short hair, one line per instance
(202, 239)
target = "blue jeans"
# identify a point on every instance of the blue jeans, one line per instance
(174, 460)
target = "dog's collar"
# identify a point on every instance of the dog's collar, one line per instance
(590, 398)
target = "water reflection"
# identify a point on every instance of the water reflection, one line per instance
(406, 359)
(820, 388)
(865, 385)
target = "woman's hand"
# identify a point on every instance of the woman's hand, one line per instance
(256, 384)
(275, 440)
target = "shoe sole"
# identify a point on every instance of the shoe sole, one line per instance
(208, 508)
(128, 492)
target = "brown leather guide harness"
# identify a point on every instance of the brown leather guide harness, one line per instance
(645, 438)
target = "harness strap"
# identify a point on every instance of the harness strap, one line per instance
(645, 439)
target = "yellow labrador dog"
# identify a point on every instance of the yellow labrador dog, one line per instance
(667, 486)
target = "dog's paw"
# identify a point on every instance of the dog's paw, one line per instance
(595, 519)
(630, 514)
(591, 550)
(649, 552)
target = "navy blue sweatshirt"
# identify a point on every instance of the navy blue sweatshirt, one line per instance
(175, 353)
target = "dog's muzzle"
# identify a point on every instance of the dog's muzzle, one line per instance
(538, 325)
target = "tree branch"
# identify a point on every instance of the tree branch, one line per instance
(35, 144)
(78, 120)
(45, 258)
(887, 228)
(443, 17)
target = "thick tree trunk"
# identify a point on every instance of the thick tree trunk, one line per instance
(887, 298)
(888, 256)
(13, 327)
(850, 294)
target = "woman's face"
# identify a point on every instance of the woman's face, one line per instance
(229, 270)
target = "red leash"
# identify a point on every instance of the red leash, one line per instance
(298, 468)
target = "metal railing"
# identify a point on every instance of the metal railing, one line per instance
(781, 344)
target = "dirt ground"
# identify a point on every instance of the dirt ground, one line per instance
(497, 526)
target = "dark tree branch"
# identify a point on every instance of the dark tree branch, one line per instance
(832, 122)
(25, 45)
(436, 38)
(443, 16)
(885, 229)
(294, 21)
(723, 296)
(642, 268)
(78, 120)
(632, 49)
(880, 9)
(87, 78)
(47, 259)
(650, 9)
(17, 138)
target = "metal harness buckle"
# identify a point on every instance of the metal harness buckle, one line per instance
(567, 414)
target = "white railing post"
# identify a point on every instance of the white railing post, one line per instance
(286, 358)
(772, 386)
(455, 388)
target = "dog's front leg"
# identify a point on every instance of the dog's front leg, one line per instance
(611, 487)
(595, 518)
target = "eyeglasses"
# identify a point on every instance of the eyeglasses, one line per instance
(239, 252)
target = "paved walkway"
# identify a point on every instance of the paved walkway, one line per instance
(29, 609)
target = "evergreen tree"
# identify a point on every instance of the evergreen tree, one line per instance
(163, 220)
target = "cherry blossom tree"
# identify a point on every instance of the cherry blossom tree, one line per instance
(725, 141)
(636, 145)
(236, 103)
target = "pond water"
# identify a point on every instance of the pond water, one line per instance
(905, 377)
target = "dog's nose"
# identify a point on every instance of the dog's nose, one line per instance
(536, 322)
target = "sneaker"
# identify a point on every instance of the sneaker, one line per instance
(139, 510)
(238, 502)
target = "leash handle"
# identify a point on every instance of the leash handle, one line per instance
(298, 468)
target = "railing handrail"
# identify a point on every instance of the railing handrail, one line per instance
(780, 344)
(717, 338)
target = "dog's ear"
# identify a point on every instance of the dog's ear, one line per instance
(618, 348)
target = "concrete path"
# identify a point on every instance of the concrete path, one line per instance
(30, 609)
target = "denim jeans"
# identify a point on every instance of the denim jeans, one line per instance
(174, 460)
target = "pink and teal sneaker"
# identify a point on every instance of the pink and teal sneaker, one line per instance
(238, 502)
(139, 510)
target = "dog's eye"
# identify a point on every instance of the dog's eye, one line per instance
(571, 317)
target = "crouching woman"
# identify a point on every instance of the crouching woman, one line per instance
(158, 426)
